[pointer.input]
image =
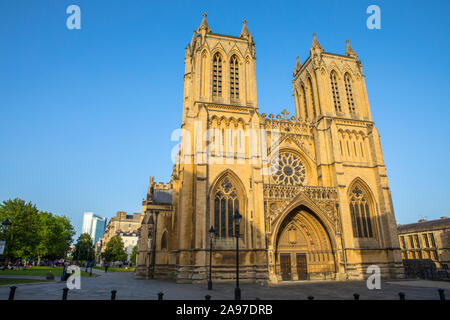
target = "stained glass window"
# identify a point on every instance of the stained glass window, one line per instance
(291, 170)
(360, 214)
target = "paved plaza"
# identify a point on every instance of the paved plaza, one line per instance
(98, 288)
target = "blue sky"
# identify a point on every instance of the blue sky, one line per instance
(86, 115)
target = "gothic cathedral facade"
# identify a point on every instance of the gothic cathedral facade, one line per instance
(312, 188)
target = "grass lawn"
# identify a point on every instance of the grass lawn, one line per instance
(116, 269)
(6, 282)
(39, 271)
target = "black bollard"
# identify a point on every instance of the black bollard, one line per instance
(310, 298)
(441, 294)
(207, 297)
(65, 292)
(160, 296)
(12, 292)
(401, 295)
(356, 296)
(113, 294)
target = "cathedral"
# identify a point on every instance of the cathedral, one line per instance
(310, 187)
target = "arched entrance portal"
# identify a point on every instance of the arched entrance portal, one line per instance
(303, 248)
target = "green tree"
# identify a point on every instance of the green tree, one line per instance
(23, 236)
(56, 235)
(84, 250)
(34, 233)
(133, 255)
(114, 250)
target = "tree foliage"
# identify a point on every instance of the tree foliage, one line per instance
(114, 250)
(34, 233)
(133, 255)
(84, 248)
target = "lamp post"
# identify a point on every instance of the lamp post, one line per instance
(63, 273)
(154, 244)
(211, 237)
(5, 225)
(237, 221)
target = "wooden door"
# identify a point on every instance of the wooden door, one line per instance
(302, 267)
(285, 266)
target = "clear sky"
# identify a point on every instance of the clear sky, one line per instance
(86, 115)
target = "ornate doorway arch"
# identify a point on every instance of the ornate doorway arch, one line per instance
(303, 249)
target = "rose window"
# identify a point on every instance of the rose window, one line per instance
(291, 170)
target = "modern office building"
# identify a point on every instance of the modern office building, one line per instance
(94, 225)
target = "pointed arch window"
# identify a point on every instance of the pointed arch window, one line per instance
(217, 75)
(226, 202)
(234, 77)
(335, 92)
(203, 73)
(311, 92)
(305, 103)
(360, 214)
(349, 93)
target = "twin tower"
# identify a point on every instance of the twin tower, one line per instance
(311, 188)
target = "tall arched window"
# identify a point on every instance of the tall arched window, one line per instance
(360, 214)
(204, 73)
(226, 202)
(234, 77)
(305, 104)
(335, 91)
(217, 75)
(311, 92)
(298, 104)
(348, 91)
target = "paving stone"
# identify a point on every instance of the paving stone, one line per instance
(99, 288)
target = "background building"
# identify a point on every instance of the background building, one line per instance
(126, 226)
(426, 240)
(94, 225)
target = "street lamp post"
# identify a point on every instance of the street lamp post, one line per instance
(6, 224)
(237, 221)
(211, 237)
(63, 273)
(154, 244)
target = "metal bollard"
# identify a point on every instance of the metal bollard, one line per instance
(441, 294)
(160, 296)
(12, 292)
(356, 296)
(207, 297)
(401, 295)
(310, 298)
(113, 294)
(65, 292)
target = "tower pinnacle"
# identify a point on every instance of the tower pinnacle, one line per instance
(244, 32)
(204, 25)
(349, 51)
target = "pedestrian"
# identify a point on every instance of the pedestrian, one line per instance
(106, 267)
